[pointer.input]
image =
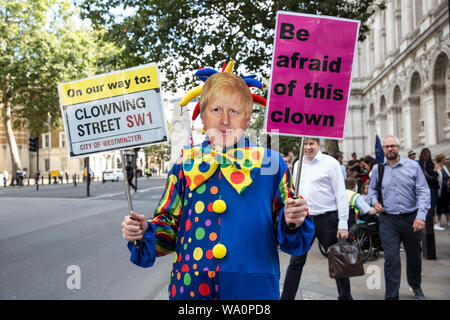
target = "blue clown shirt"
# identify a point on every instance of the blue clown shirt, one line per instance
(222, 213)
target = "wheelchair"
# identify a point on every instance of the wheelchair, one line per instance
(365, 233)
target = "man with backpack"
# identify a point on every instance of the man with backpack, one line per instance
(399, 191)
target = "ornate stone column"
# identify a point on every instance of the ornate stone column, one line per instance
(429, 116)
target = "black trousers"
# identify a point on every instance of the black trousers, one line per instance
(326, 226)
(130, 183)
(393, 229)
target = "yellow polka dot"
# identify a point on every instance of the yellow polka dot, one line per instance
(174, 258)
(190, 239)
(198, 253)
(199, 207)
(190, 194)
(219, 206)
(219, 251)
(196, 273)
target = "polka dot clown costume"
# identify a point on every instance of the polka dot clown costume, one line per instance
(222, 214)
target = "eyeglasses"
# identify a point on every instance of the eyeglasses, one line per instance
(390, 146)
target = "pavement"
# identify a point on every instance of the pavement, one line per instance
(317, 285)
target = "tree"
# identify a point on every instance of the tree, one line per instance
(204, 33)
(41, 47)
(158, 153)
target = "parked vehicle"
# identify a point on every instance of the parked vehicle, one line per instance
(112, 175)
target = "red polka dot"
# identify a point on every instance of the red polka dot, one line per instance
(209, 254)
(179, 257)
(174, 291)
(203, 289)
(210, 207)
(237, 177)
(188, 224)
(180, 175)
(188, 181)
(185, 268)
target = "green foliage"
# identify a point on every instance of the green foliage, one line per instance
(158, 153)
(205, 33)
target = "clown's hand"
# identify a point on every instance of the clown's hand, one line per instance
(295, 211)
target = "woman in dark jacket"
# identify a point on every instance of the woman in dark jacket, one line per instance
(430, 172)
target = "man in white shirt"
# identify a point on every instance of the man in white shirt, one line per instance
(322, 186)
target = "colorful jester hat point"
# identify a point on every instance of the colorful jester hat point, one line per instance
(204, 73)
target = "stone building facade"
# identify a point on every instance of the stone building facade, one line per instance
(401, 80)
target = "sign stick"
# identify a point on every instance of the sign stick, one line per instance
(299, 172)
(125, 180)
(127, 189)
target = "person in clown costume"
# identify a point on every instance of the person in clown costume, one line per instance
(226, 206)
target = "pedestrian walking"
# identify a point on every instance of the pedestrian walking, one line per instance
(412, 155)
(5, 177)
(226, 206)
(322, 185)
(430, 172)
(443, 202)
(402, 197)
(130, 175)
(339, 156)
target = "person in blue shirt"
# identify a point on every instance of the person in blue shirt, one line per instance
(227, 206)
(404, 203)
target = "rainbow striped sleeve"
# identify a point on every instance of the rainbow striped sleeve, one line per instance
(168, 213)
(284, 191)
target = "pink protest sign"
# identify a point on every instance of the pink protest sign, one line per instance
(311, 75)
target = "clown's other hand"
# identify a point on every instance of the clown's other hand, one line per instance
(134, 226)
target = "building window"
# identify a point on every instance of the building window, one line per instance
(62, 139)
(47, 164)
(45, 140)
